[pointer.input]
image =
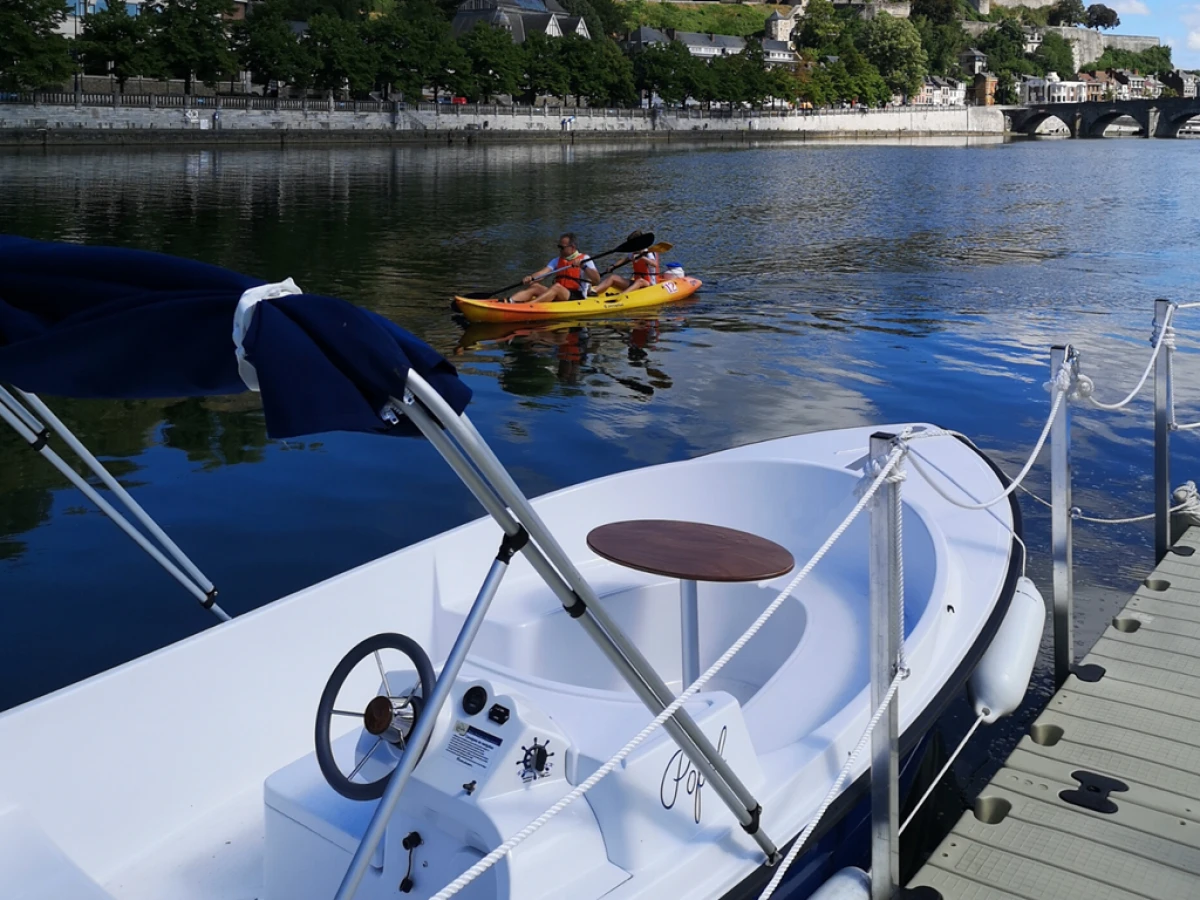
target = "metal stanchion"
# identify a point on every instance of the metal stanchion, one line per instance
(885, 650)
(1060, 518)
(1162, 438)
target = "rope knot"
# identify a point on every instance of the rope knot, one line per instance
(1187, 502)
(1062, 380)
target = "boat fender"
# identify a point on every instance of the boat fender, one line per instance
(847, 884)
(998, 684)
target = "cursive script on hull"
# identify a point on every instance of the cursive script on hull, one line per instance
(681, 776)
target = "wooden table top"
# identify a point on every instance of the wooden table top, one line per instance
(690, 550)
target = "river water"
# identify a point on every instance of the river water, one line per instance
(845, 284)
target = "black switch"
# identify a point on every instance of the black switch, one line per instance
(498, 714)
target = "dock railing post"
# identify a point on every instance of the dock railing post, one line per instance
(1162, 434)
(885, 650)
(1060, 516)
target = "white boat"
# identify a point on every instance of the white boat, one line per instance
(192, 773)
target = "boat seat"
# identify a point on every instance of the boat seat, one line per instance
(31, 860)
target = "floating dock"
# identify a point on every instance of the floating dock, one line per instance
(1101, 800)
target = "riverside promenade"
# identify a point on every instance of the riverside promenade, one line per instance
(62, 119)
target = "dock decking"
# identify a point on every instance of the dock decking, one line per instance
(1122, 738)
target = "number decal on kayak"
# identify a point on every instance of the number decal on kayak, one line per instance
(671, 287)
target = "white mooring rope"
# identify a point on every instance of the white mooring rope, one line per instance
(1165, 337)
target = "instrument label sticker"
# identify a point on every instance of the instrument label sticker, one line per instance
(472, 747)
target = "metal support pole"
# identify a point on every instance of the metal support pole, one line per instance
(885, 651)
(110, 482)
(1060, 519)
(689, 630)
(423, 729)
(1162, 434)
(37, 441)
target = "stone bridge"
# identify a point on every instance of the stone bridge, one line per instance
(1158, 118)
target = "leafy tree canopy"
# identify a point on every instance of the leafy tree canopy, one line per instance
(894, 47)
(270, 49)
(495, 61)
(1100, 16)
(1067, 12)
(336, 48)
(190, 38)
(114, 41)
(1055, 55)
(1155, 60)
(725, 18)
(32, 53)
(820, 27)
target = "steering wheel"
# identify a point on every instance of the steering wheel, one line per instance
(388, 718)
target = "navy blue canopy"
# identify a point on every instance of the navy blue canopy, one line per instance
(111, 323)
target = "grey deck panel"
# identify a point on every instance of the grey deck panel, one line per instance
(1140, 724)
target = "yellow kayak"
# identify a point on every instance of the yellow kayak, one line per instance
(667, 291)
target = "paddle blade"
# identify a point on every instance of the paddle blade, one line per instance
(641, 242)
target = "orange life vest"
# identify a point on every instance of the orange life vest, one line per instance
(646, 267)
(572, 276)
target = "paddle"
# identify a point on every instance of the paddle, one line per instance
(660, 247)
(636, 245)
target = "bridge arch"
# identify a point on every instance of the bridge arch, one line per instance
(1098, 122)
(1169, 123)
(1031, 123)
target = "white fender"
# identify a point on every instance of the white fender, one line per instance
(847, 884)
(999, 682)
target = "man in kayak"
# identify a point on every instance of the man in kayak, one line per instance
(645, 271)
(576, 273)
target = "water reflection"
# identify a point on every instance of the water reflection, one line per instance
(845, 285)
(570, 354)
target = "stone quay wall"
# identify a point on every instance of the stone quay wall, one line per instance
(67, 124)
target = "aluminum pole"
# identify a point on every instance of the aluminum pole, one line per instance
(1162, 433)
(113, 485)
(1060, 518)
(37, 442)
(689, 630)
(885, 651)
(423, 730)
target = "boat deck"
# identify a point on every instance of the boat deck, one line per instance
(1101, 800)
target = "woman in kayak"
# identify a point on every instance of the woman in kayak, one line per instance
(645, 271)
(576, 273)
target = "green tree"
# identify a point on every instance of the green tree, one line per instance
(820, 26)
(1006, 89)
(1005, 49)
(756, 86)
(1100, 16)
(269, 49)
(728, 80)
(1055, 55)
(942, 44)
(939, 12)
(894, 47)
(1067, 12)
(32, 52)
(494, 62)
(341, 59)
(190, 38)
(1155, 59)
(618, 86)
(114, 41)
(662, 69)
(545, 71)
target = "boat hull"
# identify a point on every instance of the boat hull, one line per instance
(143, 814)
(671, 290)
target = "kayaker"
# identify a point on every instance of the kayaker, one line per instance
(646, 271)
(576, 274)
